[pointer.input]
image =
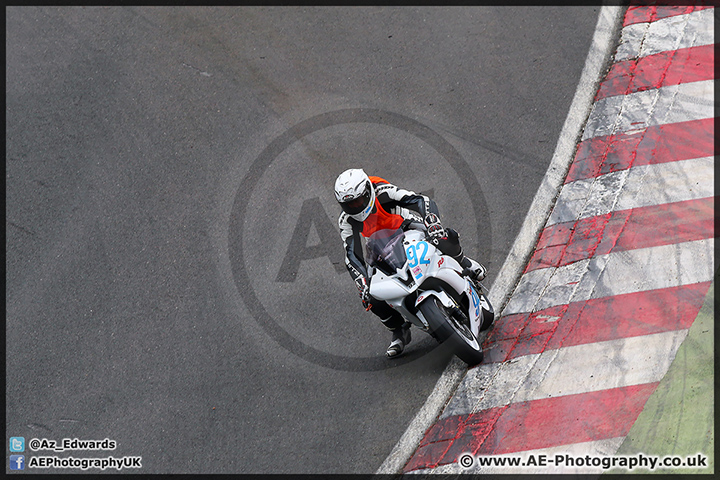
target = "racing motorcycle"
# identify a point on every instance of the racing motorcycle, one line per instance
(430, 290)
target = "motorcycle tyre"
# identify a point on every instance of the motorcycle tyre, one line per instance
(445, 329)
(488, 315)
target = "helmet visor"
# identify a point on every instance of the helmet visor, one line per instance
(357, 204)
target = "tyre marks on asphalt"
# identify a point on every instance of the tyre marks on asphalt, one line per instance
(619, 272)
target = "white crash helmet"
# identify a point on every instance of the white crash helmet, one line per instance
(355, 193)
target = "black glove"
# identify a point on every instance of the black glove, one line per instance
(364, 291)
(435, 229)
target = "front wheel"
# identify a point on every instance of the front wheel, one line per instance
(447, 328)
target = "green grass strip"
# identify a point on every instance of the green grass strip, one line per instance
(679, 417)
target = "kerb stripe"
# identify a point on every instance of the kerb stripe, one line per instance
(644, 14)
(618, 274)
(652, 226)
(595, 320)
(662, 69)
(657, 144)
(533, 425)
(563, 420)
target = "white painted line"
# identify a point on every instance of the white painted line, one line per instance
(527, 291)
(616, 273)
(600, 366)
(567, 371)
(642, 186)
(671, 33)
(609, 22)
(491, 385)
(659, 106)
(649, 185)
(588, 197)
(479, 379)
(653, 268)
(575, 281)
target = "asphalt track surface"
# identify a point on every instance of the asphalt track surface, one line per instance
(174, 278)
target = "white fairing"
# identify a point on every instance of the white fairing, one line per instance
(422, 262)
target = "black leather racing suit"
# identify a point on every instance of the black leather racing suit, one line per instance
(410, 206)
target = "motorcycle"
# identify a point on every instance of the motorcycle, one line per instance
(429, 289)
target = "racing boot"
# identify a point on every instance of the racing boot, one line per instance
(401, 337)
(476, 270)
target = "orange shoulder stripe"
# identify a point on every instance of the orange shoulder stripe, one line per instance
(376, 180)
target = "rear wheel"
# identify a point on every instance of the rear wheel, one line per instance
(449, 328)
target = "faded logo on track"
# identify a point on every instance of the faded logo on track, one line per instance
(285, 248)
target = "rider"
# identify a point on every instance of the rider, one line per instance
(370, 204)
